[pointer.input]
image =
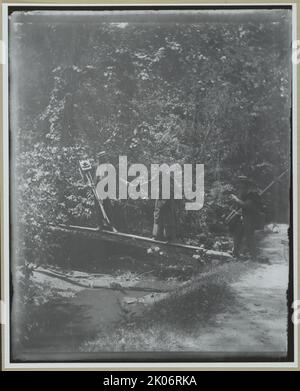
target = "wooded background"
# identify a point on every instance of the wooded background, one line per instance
(162, 87)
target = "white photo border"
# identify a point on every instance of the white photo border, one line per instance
(6, 353)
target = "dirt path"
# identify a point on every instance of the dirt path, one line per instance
(258, 319)
(239, 309)
(255, 320)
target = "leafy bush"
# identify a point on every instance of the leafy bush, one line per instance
(51, 191)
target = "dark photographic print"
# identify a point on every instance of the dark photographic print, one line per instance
(151, 185)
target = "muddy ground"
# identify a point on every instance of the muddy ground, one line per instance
(228, 307)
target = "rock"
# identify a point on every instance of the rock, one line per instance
(115, 285)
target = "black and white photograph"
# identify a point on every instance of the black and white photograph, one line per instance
(150, 184)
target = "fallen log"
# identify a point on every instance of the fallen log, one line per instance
(136, 240)
(95, 285)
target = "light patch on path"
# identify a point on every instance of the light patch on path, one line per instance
(257, 319)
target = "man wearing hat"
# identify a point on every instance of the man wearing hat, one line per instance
(249, 202)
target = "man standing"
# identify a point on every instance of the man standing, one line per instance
(164, 226)
(246, 223)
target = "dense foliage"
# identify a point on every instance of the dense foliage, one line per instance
(211, 89)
